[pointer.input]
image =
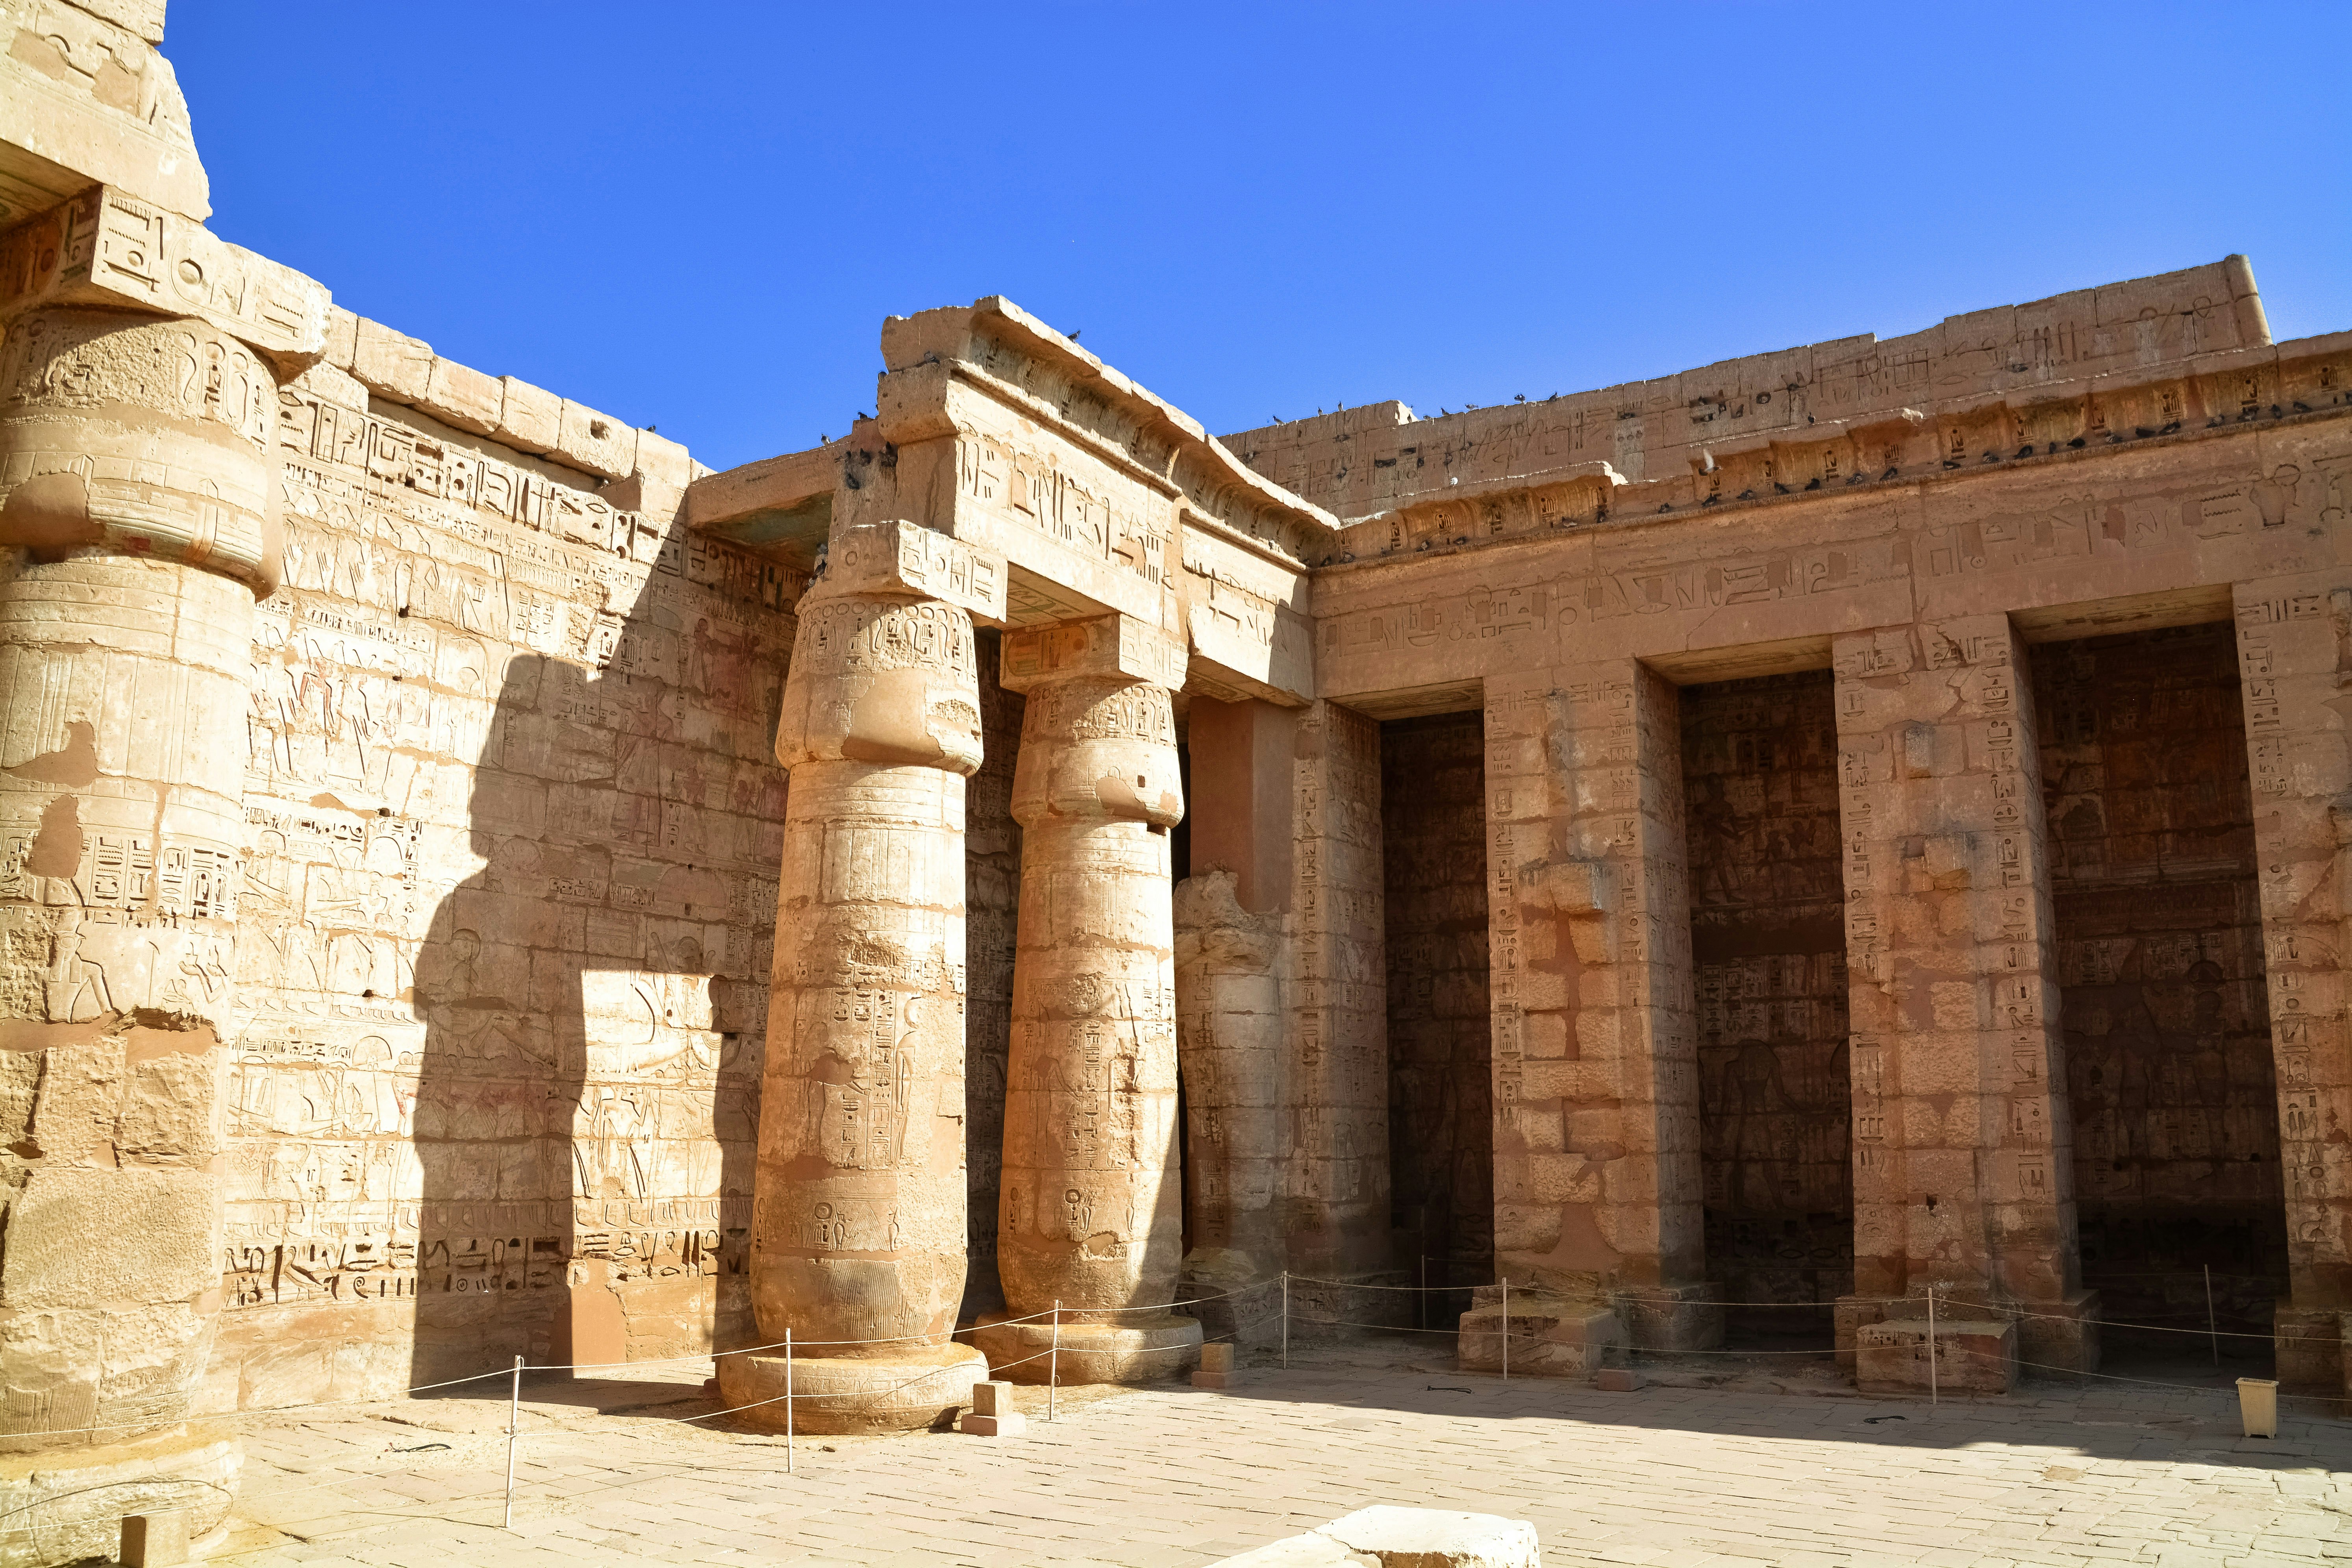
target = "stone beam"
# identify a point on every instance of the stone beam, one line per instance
(108, 246)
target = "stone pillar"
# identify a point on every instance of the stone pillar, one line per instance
(137, 511)
(1962, 1147)
(1232, 951)
(858, 1209)
(1229, 1041)
(1597, 1188)
(2294, 659)
(1336, 1203)
(1091, 1213)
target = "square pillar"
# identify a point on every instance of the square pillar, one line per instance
(2295, 658)
(1597, 1186)
(1232, 967)
(1336, 1090)
(1962, 1147)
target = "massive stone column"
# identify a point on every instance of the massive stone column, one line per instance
(137, 515)
(2295, 657)
(858, 1209)
(1090, 1215)
(1963, 1178)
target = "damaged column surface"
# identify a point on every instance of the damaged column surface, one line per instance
(1962, 1150)
(1090, 1211)
(138, 514)
(859, 1216)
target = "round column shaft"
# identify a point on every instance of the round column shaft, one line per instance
(137, 529)
(1090, 1211)
(860, 1205)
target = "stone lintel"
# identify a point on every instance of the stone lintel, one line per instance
(108, 247)
(901, 557)
(1115, 645)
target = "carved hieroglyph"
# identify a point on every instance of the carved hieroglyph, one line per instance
(1090, 1213)
(859, 1223)
(133, 504)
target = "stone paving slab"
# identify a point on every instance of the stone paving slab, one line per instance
(1168, 1477)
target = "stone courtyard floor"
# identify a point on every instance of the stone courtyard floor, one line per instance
(1165, 1476)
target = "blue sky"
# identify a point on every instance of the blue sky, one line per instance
(696, 215)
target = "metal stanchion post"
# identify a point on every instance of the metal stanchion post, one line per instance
(1286, 1320)
(1421, 1302)
(2212, 1330)
(514, 1424)
(1054, 1368)
(788, 1402)
(1935, 1395)
(1507, 1328)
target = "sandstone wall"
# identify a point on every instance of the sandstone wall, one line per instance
(508, 909)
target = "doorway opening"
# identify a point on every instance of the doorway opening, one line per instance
(1768, 957)
(1441, 1100)
(2170, 1075)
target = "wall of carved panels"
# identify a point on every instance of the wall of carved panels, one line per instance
(506, 934)
(1768, 950)
(2169, 1069)
(1441, 1115)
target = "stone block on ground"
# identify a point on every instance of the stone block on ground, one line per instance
(1216, 1368)
(992, 1413)
(1550, 1336)
(1403, 1538)
(1617, 1380)
(155, 1540)
(1972, 1355)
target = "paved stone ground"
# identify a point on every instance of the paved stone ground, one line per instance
(1668, 1476)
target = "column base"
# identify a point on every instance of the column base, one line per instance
(2055, 1339)
(1671, 1317)
(1972, 1355)
(192, 1468)
(1551, 1336)
(912, 1389)
(1090, 1353)
(2308, 1344)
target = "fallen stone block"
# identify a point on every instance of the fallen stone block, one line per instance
(1617, 1380)
(1403, 1538)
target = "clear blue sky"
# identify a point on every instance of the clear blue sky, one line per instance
(696, 215)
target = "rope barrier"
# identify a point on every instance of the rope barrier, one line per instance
(2003, 1310)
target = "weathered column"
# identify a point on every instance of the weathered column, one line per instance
(1091, 1213)
(2294, 655)
(858, 1209)
(1963, 1151)
(1232, 950)
(1597, 1191)
(137, 512)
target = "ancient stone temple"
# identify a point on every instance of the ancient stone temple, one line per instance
(1739, 856)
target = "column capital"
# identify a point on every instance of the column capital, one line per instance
(1112, 646)
(881, 678)
(141, 436)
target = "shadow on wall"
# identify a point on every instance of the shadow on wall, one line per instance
(595, 996)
